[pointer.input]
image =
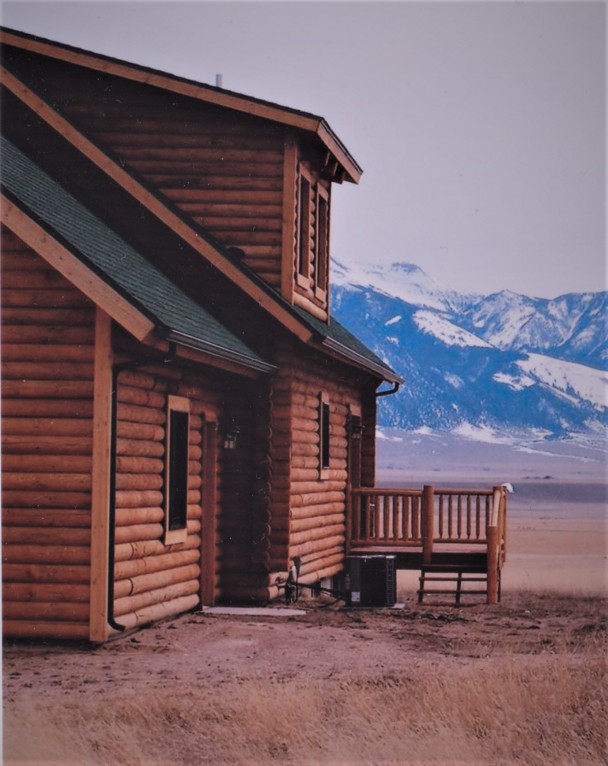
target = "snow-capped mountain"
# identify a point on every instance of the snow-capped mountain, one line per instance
(504, 362)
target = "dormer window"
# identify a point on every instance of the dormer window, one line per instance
(312, 232)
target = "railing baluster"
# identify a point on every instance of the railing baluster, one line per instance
(468, 517)
(459, 517)
(450, 520)
(477, 516)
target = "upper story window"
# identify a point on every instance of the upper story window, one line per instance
(312, 235)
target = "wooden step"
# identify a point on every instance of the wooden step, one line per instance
(459, 576)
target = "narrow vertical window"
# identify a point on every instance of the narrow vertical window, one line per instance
(322, 244)
(324, 433)
(176, 469)
(303, 265)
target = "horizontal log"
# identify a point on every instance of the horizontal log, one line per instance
(45, 554)
(129, 551)
(51, 535)
(139, 465)
(57, 370)
(198, 154)
(58, 353)
(138, 532)
(140, 600)
(55, 592)
(161, 611)
(53, 517)
(141, 396)
(21, 498)
(70, 482)
(316, 522)
(49, 408)
(68, 317)
(47, 389)
(138, 498)
(135, 567)
(45, 427)
(155, 580)
(133, 413)
(132, 516)
(307, 493)
(46, 573)
(316, 534)
(143, 431)
(40, 610)
(142, 448)
(320, 497)
(58, 334)
(326, 569)
(42, 279)
(46, 463)
(19, 444)
(40, 629)
(57, 298)
(312, 546)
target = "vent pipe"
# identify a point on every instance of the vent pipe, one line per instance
(219, 80)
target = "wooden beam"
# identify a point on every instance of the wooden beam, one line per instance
(74, 270)
(100, 490)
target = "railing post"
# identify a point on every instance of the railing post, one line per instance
(428, 527)
(492, 565)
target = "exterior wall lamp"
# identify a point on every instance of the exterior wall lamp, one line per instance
(355, 427)
(231, 434)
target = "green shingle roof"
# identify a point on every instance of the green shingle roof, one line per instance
(174, 313)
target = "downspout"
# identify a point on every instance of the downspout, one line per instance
(116, 370)
(389, 391)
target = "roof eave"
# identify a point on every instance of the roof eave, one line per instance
(338, 349)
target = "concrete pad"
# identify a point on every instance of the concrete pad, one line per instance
(262, 611)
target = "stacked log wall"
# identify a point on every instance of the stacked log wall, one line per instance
(48, 332)
(223, 169)
(309, 513)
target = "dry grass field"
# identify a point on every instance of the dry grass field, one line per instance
(520, 684)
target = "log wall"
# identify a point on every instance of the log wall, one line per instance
(309, 513)
(48, 332)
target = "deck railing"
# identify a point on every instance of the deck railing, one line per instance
(428, 519)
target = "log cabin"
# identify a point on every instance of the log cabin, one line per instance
(182, 418)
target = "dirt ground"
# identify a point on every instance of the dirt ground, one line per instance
(326, 641)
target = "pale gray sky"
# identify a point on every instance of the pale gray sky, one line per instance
(480, 126)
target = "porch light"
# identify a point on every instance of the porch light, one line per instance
(231, 434)
(355, 428)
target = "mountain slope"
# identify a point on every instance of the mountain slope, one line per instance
(505, 362)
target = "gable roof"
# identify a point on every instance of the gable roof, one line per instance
(175, 316)
(330, 338)
(305, 121)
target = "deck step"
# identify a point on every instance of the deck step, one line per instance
(458, 576)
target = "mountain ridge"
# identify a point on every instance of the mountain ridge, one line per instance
(504, 362)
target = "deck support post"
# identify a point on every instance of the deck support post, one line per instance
(492, 597)
(428, 531)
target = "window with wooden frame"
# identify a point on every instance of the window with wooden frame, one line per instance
(324, 435)
(312, 235)
(177, 438)
(322, 244)
(304, 241)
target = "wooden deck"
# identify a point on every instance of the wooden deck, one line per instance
(450, 535)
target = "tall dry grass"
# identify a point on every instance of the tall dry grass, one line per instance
(521, 710)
